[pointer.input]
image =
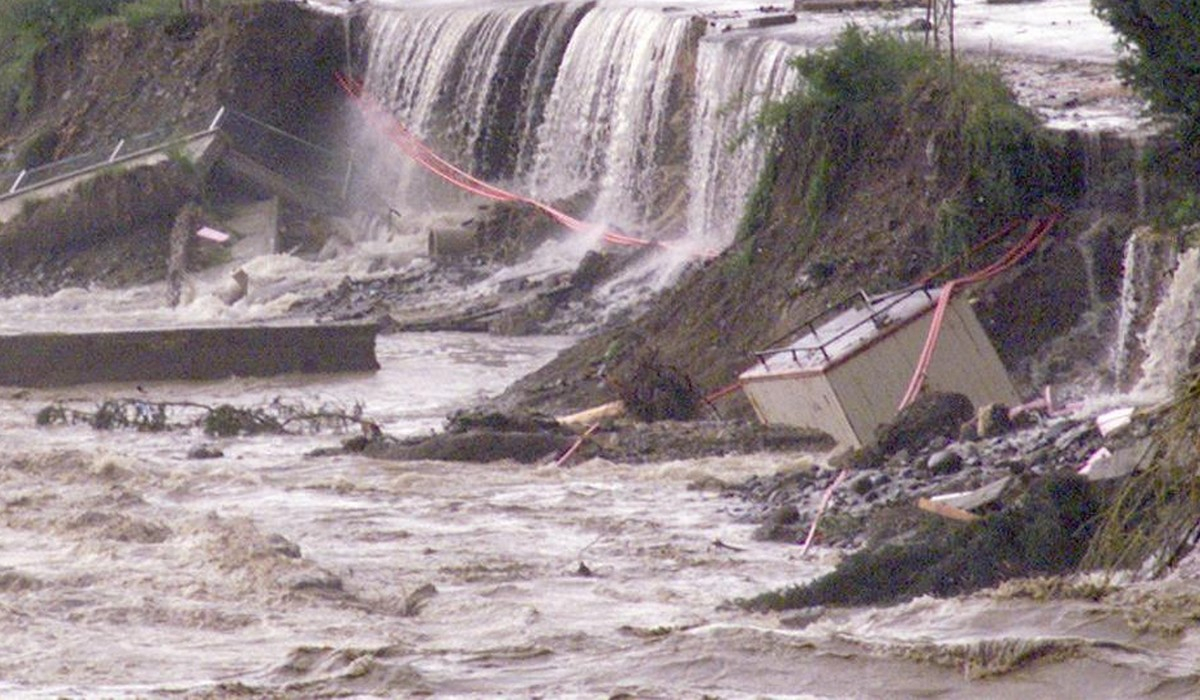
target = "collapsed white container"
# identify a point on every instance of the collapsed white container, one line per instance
(847, 374)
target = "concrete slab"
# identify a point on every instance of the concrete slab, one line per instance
(61, 359)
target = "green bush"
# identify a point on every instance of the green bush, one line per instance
(952, 231)
(861, 69)
(1007, 157)
(845, 92)
(48, 20)
(28, 25)
(1162, 56)
(992, 159)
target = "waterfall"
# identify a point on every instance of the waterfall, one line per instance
(1127, 311)
(459, 77)
(631, 106)
(726, 155)
(610, 116)
(1113, 174)
(1171, 336)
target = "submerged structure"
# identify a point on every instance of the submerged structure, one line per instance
(848, 372)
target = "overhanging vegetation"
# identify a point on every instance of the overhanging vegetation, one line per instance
(1154, 519)
(988, 158)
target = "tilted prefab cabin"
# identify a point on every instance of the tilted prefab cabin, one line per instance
(848, 372)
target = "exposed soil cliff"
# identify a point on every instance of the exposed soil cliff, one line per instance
(270, 63)
(273, 60)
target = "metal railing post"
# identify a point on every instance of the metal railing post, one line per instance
(217, 119)
(17, 182)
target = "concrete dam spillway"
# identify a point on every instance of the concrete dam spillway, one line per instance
(634, 109)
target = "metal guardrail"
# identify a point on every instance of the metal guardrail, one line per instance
(15, 183)
(822, 345)
(322, 168)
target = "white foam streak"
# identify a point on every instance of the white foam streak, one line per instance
(608, 110)
(1127, 311)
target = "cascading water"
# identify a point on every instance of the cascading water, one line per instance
(1172, 334)
(626, 104)
(610, 116)
(630, 108)
(1127, 312)
(726, 154)
(449, 75)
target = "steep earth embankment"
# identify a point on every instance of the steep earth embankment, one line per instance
(272, 62)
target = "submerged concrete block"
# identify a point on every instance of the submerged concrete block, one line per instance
(451, 243)
(60, 359)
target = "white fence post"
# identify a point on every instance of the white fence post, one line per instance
(17, 182)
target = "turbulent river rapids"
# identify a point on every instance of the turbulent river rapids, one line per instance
(129, 570)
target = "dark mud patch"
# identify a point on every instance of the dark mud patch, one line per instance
(474, 446)
(529, 439)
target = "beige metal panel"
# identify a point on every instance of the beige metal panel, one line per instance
(869, 385)
(805, 401)
(856, 396)
(965, 360)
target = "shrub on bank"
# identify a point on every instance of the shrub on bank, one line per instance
(989, 157)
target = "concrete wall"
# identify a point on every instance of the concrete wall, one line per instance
(258, 226)
(58, 359)
(196, 148)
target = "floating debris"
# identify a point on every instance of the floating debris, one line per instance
(224, 420)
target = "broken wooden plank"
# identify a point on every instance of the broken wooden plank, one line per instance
(612, 409)
(946, 511)
(975, 498)
(62, 359)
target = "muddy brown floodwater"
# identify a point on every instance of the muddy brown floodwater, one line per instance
(128, 570)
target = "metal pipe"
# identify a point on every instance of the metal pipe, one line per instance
(120, 145)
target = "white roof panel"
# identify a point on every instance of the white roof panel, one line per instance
(829, 340)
